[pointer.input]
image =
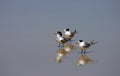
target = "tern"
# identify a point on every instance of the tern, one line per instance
(60, 39)
(69, 34)
(83, 45)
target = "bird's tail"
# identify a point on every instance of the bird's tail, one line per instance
(93, 42)
(75, 31)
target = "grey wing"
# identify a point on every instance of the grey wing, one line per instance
(87, 45)
(72, 34)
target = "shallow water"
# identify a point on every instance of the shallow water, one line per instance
(28, 46)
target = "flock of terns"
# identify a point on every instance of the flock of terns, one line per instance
(65, 46)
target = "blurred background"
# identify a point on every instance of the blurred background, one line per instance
(28, 46)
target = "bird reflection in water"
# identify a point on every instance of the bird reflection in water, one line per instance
(84, 59)
(63, 51)
(60, 54)
(69, 47)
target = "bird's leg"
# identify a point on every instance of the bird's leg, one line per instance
(62, 45)
(84, 51)
(59, 45)
(70, 40)
(81, 51)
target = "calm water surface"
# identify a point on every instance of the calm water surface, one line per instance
(28, 46)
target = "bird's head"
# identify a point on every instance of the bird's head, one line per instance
(78, 42)
(58, 32)
(67, 29)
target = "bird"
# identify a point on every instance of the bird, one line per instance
(60, 39)
(69, 34)
(84, 59)
(83, 45)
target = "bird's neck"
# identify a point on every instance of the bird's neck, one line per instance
(82, 44)
(59, 36)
